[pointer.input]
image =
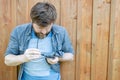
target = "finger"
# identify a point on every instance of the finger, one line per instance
(33, 49)
(33, 56)
(54, 61)
(34, 53)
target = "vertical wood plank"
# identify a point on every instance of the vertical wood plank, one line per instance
(69, 20)
(111, 40)
(116, 49)
(100, 33)
(84, 36)
(7, 18)
(22, 11)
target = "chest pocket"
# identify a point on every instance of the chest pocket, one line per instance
(22, 47)
(57, 43)
(59, 46)
(24, 44)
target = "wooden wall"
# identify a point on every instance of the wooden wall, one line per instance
(93, 26)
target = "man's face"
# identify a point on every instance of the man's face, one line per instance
(40, 31)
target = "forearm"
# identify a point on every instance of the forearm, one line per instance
(14, 60)
(67, 57)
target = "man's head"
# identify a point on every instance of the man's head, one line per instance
(43, 15)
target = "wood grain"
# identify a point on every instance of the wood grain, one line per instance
(84, 40)
(100, 39)
(7, 22)
(94, 29)
(69, 20)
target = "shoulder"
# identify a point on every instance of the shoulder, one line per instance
(60, 32)
(58, 29)
(22, 28)
(20, 31)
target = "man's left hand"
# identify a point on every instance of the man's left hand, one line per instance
(53, 60)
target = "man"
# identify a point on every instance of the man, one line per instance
(40, 46)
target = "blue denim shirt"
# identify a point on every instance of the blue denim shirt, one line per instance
(21, 35)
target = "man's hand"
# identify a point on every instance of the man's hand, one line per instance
(53, 60)
(31, 54)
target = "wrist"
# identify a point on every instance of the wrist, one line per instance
(24, 58)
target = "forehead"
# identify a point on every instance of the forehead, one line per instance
(41, 27)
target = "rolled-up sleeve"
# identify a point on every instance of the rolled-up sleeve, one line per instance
(67, 44)
(13, 43)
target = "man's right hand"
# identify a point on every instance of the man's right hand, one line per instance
(31, 54)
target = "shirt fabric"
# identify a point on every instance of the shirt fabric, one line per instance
(21, 36)
(53, 76)
(39, 69)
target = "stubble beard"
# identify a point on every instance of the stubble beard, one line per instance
(40, 35)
